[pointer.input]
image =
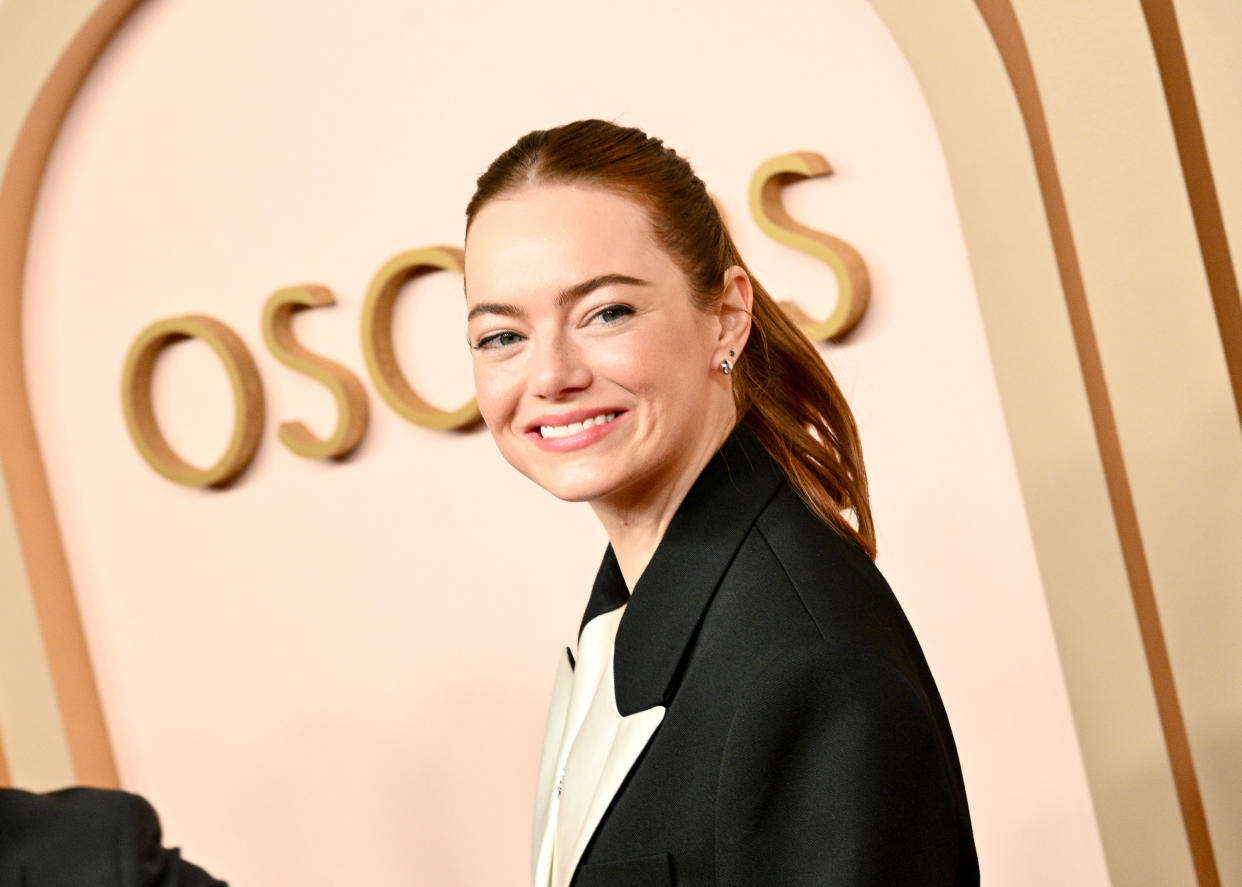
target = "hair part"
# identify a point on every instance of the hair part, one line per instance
(782, 389)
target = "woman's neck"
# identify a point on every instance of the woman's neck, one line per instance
(635, 525)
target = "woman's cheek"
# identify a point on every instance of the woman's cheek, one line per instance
(494, 394)
(630, 361)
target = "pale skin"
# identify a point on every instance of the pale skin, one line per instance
(576, 313)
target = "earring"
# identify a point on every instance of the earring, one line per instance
(726, 367)
(732, 353)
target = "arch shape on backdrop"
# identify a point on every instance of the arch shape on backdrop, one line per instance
(75, 712)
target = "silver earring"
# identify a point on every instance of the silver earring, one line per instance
(726, 367)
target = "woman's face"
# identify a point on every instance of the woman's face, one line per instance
(595, 372)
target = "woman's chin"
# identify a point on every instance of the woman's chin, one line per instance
(582, 490)
(579, 484)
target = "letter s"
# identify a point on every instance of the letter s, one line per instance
(351, 399)
(853, 282)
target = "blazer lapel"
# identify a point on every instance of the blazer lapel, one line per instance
(572, 696)
(605, 749)
(543, 831)
(674, 591)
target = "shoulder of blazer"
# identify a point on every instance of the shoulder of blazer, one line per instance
(830, 756)
(842, 590)
(837, 735)
(855, 613)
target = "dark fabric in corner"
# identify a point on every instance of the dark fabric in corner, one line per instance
(84, 837)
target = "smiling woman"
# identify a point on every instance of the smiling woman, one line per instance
(585, 317)
(748, 703)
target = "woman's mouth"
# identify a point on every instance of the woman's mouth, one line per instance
(547, 431)
(572, 431)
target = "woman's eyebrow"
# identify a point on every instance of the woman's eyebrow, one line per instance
(495, 308)
(566, 296)
(577, 291)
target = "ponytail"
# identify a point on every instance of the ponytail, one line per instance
(787, 396)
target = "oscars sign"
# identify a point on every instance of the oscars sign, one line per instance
(352, 410)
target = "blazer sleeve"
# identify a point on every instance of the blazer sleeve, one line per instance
(86, 837)
(148, 862)
(833, 774)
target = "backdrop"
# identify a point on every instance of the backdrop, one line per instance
(336, 671)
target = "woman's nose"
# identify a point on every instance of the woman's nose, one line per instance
(557, 368)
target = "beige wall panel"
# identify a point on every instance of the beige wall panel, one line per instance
(1165, 367)
(1053, 438)
(1212, 35)
(34, 748)
(32, 37)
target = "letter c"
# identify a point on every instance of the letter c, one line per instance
(377, 343)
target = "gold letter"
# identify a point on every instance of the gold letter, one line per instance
(140, 413)
(351, 400)
(377, 337)
(853, 282)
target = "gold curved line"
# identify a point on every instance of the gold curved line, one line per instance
(1179, 94)
(33, 511)
(1003, 25)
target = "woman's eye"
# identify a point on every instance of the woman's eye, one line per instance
(501, 339)
(612, 313)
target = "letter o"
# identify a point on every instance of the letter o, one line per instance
(244, 379)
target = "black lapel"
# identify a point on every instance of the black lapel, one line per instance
(674, 590)
(608, 592)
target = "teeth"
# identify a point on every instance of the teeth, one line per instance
(575, 427)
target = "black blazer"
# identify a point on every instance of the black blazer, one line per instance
(778, 722)
(83, 837)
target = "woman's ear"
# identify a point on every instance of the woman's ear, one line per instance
(734, 311)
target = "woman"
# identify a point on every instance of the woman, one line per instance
(748, 705)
